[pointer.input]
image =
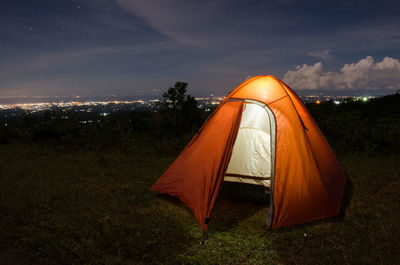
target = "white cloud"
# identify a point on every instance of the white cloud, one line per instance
(363, 75)
(324, 55)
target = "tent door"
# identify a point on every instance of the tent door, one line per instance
(251, 159)
(253, 154)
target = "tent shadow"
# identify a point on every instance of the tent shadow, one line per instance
(237, 202)
(347, 196)
(174, 200)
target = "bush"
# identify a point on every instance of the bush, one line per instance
(371, 127)
(364, 127)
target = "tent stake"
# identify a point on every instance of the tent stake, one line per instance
(204, 239)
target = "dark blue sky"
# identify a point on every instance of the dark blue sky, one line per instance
(98, 47)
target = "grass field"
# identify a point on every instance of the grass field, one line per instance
(62, 206)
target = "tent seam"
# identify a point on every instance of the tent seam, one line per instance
(277, 100)
(306, 136)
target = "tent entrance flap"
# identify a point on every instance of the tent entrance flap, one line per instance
(251, 155)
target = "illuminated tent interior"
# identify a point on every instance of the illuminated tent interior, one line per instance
(251, 160)
(261, 134)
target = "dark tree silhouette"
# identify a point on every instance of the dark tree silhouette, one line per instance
(180, 111)
(176, 97)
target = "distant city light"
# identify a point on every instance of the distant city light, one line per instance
(106, 108)
(89, 121)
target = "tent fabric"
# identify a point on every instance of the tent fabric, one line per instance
(251, 156)
(251, 159)
(307, 182)
(196, 175)
(305, 188)
(255, 116)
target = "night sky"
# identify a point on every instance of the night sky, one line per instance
(140, 48)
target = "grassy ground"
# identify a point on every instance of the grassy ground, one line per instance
(87, 207)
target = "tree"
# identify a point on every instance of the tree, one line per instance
(176, 96)
(180, 112)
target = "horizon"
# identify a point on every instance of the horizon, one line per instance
(131, 98)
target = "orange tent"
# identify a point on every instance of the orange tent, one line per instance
(260, 134)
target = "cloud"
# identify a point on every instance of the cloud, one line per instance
(206, 24)
(363, 75)
(75, 56)
(178, 20)
(324, 55)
